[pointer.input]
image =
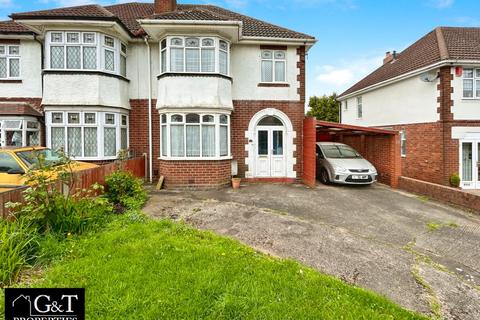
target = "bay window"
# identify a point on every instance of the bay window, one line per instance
(89, 135)
(194, 55)
(194, 136)
(274, 66)
(75, 50)
(9, 61)
(19, 131)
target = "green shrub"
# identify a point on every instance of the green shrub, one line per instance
(18, 246)
(455, 180)
(125, 191)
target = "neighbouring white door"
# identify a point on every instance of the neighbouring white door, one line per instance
(270, 152)
(470, 164)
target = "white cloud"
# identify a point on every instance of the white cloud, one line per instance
(339, 77)
(6, 3)
(441, 4)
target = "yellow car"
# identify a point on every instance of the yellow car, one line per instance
(15, 162)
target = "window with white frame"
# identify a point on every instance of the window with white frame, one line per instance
(9, 61)
(403, 143)
(194, 135)
(359, 108)
(471, 83)
(181, 54)
(19, 131)
(89, 135)
(75, 50)
(274, 66)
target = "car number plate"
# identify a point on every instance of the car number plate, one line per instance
(360, 177)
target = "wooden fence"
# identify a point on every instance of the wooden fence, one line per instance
(82, 180)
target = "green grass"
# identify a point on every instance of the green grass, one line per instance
(166, 270)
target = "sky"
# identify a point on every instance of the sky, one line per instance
(353, 35)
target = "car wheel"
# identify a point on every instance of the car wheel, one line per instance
(324, 176)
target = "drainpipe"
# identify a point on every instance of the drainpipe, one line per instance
(150, 147)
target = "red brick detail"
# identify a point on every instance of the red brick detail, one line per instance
(272, 47)
(424, 158)
(240, 119)
(9, 41)
(270, 180)
(301, 72)
(273, 85)
(196, 173)
(441, 193)
(383, 151)
(309, 153)
(34, 102)
(162, 6)
(445, 94)
(138, 130)
(11, 81)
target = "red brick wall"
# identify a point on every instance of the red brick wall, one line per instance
(196, 173)
(383, 151)
(309, 152)
(441, 193)
(139, 130)
(35, 102)
(424, 159)
(240, 119)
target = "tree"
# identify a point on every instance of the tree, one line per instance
(325, 108)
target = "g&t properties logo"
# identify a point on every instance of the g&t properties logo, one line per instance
(44, 304)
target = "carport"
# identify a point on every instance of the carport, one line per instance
(379, 146)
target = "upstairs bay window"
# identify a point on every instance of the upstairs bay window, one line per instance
(9, 61)
(89, 135)
(194, 136)
(194, 55)
(72, 50)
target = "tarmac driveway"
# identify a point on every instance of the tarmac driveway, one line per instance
(423, 255)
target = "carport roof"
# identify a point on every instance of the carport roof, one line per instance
(326, 126)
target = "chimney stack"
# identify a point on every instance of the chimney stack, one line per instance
(162, 6)
(389, 57)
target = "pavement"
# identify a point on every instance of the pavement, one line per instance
(421, 254)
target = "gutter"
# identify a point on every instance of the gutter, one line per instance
(150, 142)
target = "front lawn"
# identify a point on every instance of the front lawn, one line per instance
(166, 270)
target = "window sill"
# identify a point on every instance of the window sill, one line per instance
(274, 84)
(195, 158)
(11, 80)
(90, 72)
(194, 74)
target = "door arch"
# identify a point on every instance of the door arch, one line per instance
(270, 145)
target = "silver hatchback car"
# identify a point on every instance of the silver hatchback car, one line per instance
(339, 163)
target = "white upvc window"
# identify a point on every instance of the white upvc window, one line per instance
(274, 66)
(19, 131)
(9, 61)
(76, 50)
(87, 135)
(471, 83)
(359, 108)
(194, 136)
(189, 54)
(403, 143)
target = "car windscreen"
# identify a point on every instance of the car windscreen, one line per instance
(31, 157)
(8, 163)
(340, 152)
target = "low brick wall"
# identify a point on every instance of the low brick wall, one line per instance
(441, 193)
(196, 173)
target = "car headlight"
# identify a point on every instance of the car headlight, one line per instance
(340, 170)
(373, 170)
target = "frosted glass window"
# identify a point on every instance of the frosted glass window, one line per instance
(267, 71)
(57, 59)
(109, 60)
(176, 140)
(176, 60)
(110, 142)
(3, 67)
(467, 153)
(208, 141)
(193, 141)
(90, 58)
(192, 57)
(124, 138)
(73, 37)
(273, 66)
(58, 138)
(223, 141)
(164, 141)
(208, 60)
(73, 57)
(14, 68)
(223, 63)
(90, 142)
(74, 135)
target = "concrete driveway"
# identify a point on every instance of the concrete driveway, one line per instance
(423, 255)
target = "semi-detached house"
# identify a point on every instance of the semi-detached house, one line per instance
(430, 92)
(195, 87)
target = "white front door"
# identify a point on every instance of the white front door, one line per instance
(270, 152)
(470, 164)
